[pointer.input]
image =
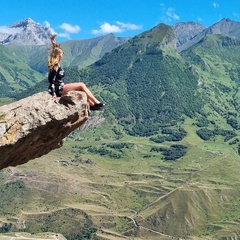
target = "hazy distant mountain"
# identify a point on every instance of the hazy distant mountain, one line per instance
(185, 31)
(225, 27)
(77, 53)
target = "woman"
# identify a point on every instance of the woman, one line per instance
(57, 88)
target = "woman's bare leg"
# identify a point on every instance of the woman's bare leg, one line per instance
(80, 86)
(91, 103)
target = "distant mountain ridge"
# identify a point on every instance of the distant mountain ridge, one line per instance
(225, 27)
(28, 32)
(78, 53)
(147, 64)
(31, 44)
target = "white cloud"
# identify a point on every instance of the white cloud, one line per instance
(66, 27)
(8, 30)
(64, 35)
(70, 28)
(47, 24)
(128, 26)
(168, 14)
(107, 28)
(215, 5)
(171, 14)
(119, 27)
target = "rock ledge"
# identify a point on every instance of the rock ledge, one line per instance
(33, 126)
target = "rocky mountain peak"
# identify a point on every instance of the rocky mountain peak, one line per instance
(226, 27)
(185, 31)
(24, 23)
(27, 32)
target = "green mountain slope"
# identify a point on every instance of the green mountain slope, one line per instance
(15, 75)
(215, 60)
(151, 84)
(82, 53)
(35, 56)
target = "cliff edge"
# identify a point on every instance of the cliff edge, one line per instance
(33, 126)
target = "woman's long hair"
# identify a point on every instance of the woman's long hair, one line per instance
(55, 51)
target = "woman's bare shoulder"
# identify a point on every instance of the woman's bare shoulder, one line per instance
(56, 66)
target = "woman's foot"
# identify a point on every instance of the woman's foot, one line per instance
(97, 106)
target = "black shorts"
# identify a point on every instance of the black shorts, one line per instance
(58, 88)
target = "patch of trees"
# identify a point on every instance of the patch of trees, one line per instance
(235, 141)
(103, 151)
(86, 232)
(173, 93)
(14, 186)
(154, 50)
(233, 123)
(113, 150)
(174, 152)
(207, 134)
(223, 88)
(203, 122)
(169, 135)
(119, 145)
(6, 227)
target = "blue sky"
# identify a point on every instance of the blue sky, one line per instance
(83, 19)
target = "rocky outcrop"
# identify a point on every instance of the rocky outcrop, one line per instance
(34, 126)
